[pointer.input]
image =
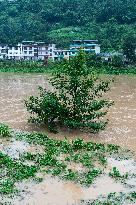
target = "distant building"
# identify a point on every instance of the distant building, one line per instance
(14, 52)
(3, 51)
(42, 50)
(89, 46)
(61, 54)
(31, 50)
(108, 57)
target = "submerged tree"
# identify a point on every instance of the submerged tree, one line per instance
(77, 98)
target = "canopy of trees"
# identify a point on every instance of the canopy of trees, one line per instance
(60, 21)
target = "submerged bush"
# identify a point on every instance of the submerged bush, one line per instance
(77, 100)
(4, 130)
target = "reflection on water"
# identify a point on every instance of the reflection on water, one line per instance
(121, 129)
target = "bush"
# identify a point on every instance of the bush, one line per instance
(117, 61)
(77, 100)
(4, 130)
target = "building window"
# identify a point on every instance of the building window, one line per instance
(3, 51)
(50, 54)
(30, 52)
(66, 53)
(25, 48)
(73, 52)
(25, 52)
(50, 50)
(30, 48)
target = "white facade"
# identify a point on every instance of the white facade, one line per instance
(97, 49)
(30, 50)
(51, 50)
(61, 54)
(27, 50)
(3, 51)
(15, 52)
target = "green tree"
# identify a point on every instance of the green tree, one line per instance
(77, 100)
(129, 48)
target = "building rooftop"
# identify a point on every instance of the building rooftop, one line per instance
(87, 41)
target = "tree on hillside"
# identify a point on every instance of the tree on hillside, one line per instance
(77, 98)
(129, 48)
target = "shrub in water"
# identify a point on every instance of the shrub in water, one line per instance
(4, 130)
(77, 100)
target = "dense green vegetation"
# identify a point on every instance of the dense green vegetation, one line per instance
(57, 159)
(60, 21)
(95, 63)
(4, 130)
(77, 100)
(25, 67)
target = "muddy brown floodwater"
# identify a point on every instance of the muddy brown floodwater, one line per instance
(121, 130)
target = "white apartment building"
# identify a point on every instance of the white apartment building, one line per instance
(27, 50)
(15, 52)
(30, 50)
(45, 51)
(42, 50)
(3, 51)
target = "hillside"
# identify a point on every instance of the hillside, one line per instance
(60, 21)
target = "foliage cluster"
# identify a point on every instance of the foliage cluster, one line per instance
(116, 174)
(25, 66)
(58, 158)
(77, 98)
(11, 172)
(4, 130)
(113, 199)
(61, 21)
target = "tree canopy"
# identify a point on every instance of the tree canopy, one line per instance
(60, 21)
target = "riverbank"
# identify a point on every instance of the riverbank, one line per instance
(38, 67)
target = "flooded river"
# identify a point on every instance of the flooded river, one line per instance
(121, 130)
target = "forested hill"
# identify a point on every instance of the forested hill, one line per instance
(60, 21)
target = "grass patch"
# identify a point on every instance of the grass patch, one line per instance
(57, 159)
(4, 130)
(116, 174)
(15, 171)
(113, 199)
